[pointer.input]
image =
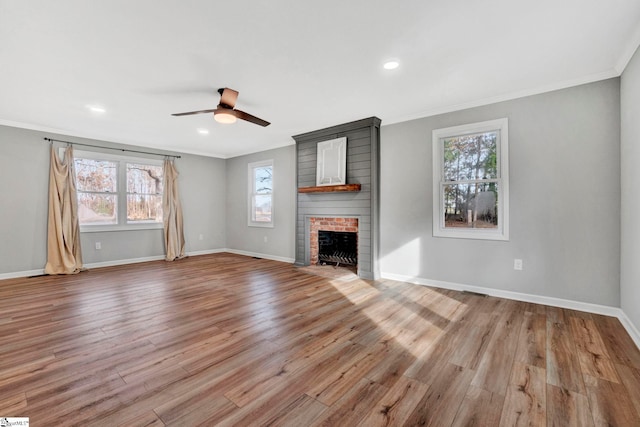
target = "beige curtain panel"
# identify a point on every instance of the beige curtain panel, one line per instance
(64, 254)
(172, 214)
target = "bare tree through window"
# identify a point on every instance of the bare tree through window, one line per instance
(261, 194)
(144, 193)
(470, 174)
(97, 185)
(104, 186)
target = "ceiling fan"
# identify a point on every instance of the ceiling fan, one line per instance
(225, 112)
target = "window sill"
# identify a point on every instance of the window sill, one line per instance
(108, 228)
(262, 225)
(474, 234)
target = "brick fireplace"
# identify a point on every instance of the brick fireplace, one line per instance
(316, 224)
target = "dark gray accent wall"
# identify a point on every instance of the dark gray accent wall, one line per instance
(363, 165)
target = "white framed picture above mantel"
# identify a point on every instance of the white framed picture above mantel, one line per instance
(331, 166)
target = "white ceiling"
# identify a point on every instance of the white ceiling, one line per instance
(302, 65)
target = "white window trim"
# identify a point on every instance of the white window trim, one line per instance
(438, 135)
(250, 192)
(122, 179)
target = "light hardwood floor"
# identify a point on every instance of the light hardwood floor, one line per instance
(230, 340)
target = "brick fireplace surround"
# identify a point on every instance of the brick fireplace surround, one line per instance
(327, 224)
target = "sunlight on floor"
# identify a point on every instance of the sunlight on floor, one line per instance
(409, 307)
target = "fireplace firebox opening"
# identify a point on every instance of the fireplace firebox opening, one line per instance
(337, 247)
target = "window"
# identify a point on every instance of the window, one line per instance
(118, 192)
(471, 181)
(144, 193)
(96, 182)
(261, 194)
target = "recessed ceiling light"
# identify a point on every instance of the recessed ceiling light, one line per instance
(96, 108)
(203, 131)
(391, 65)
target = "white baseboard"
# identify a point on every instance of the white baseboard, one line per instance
(259, 255)
(151, 258)
(206, 252)
(537, 299)
(122, 262)
(630, 327)
(25, 273)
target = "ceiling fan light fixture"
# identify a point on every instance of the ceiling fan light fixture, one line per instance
(224, 117)
(226, 112)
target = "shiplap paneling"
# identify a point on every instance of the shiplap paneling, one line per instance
(363, 147)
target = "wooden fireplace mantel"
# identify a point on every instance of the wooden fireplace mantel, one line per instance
(330, 188)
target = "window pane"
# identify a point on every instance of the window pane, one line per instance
(97, 208)
(144, 179)
(144, 208)
(471, 157)
(471, 205)
(261, 209)
(96, 175)
(263, 180)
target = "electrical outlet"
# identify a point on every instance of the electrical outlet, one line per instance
(98, 245)
(201, 237)
(265, 239)
(517, 264)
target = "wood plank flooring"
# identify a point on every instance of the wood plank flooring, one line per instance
(234, 341)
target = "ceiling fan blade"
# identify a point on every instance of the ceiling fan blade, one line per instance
(253, 119)
(228, 97)
(194, 112)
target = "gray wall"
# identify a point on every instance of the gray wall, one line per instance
(24, 185)
(202, 183)
(280, 239)
(564, 199)
(630, 179)
(24, 178)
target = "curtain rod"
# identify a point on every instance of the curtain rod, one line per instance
(111, 148)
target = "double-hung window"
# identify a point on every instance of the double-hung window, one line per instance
(471, 181)
(261, 194)
(118, 192)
